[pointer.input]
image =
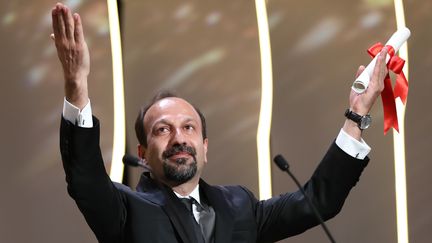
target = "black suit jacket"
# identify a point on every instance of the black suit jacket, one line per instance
(154, 214)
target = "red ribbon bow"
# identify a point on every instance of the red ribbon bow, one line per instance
(387, 95)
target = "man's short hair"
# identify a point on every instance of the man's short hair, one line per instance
(139, 122)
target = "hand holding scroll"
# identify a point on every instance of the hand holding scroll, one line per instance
(362, 103)
(395, 64)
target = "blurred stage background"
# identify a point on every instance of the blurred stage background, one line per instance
(208, 51)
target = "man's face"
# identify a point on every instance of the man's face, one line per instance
(176, 150)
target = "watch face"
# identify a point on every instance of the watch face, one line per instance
(365, 122)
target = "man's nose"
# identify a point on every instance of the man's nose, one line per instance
(178, 137)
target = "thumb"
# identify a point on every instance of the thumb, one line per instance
(360, 70)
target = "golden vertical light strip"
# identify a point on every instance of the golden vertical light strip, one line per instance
(265, 116)
(399, 143)
(118, 150)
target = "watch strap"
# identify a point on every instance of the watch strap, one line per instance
(353, 116)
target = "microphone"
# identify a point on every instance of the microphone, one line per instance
(134, 161)
(283, 165)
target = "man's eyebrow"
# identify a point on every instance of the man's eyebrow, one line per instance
(167, 122)
(162, 121)
(190, 119)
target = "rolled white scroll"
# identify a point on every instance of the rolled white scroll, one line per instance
(396, 41)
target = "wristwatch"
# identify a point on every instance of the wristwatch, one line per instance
(363, 122)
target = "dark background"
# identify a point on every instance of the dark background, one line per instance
(208, 51)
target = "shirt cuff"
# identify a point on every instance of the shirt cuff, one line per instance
(355, 148)
(81, 118)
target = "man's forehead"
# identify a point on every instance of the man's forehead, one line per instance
(173, 106)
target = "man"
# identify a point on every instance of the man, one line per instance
(172, 203)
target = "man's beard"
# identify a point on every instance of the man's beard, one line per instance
(179, 172)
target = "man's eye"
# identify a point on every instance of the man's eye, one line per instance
(162, 130)
(189, 127)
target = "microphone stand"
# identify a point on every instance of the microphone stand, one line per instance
(283, 165)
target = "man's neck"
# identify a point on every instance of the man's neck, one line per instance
(186, 188)
(183, 189)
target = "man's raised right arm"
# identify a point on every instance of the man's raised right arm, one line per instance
(74, 56)
(88, 183)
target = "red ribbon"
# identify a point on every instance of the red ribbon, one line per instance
(388, 96)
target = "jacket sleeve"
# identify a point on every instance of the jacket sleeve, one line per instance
(289, 214)
(98, 199)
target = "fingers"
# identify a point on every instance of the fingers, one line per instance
(63, 23)
(56, 21)
(78, 33)
(380, 70)
(68, 22)
(360, 70)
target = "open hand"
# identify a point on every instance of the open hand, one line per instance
(73, 53)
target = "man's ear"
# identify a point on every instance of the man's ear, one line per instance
(141, 151)
(205, 149)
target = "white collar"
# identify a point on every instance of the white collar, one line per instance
(194, 194)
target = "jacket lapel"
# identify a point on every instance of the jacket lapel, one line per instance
(180, 217)
(174, 209)
(224, 215)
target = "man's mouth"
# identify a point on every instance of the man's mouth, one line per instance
(180, 155)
